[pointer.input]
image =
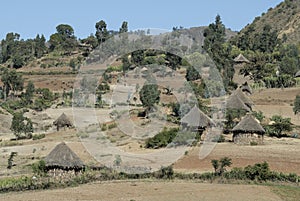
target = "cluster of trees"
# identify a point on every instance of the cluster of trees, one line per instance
(272, 60)
(16, 52)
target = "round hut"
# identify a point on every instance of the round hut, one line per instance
(239, 63)
(248, 131)
(62, 121)
(196, 121)
(246, 100)
(62, 160)
(235, 102)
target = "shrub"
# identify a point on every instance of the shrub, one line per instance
(162, 139)
(11, 159)
(165, 173)
(38, 136)
(111, 126)
(39, 168)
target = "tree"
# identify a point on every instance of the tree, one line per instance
(30, 89)
(102, 33)
(220, 165)
(192, 74)
(40, 46)
(281, 124)
(124, 28)
(12, 81)
(217, 48)
(63, 39)
(215, 164)
(296, 107)
(65, 30)
(149, 96)
(21, 126)
(11, 159)
(125, 63)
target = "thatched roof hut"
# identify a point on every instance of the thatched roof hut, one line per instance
(235, 102)
(62, 157)
(241, 59)
(62, 121)
(196, 119)
(249, 124)
(246, 100)
(297, 74)
(248, 131)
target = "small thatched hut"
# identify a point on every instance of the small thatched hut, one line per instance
(63, 158)
(246, 100)
(239, 63)
(62, 121)
(248, 130)
(235, 102)
(195, 120)
(297, 74)
(241, 59)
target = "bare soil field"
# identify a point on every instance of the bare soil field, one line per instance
(283, 155)
(276, 102)
(150, 191)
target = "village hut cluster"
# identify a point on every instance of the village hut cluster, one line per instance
(247, 130)
(62, 161)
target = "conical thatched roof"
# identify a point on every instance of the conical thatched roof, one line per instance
(235, 102)
(64, 158)
(62, 121)
(196, 118)
(249, 124)
(243, 97)
(241, 59)
(297, 74)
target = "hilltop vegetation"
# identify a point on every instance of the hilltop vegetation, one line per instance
(284, 20)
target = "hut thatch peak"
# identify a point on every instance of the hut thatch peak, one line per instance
(62, 157)
(243, 97)
(241, 59)
(249, 124)
(235, 102)
(62, 121)
(196, 118)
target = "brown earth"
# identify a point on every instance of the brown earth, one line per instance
(283, 155)
(150, 191)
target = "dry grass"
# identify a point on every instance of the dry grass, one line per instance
(150, 191)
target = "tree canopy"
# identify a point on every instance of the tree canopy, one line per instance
(149, 95)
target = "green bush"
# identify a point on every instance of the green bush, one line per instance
(165, 173)
(111, 126)
(39, 168)
(162, 139)
(38, 136)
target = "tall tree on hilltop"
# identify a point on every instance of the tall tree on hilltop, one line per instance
(102, 33)
(63, 39)
(124, 27)
(217, 48)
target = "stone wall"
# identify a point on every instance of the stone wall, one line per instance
(247, 138)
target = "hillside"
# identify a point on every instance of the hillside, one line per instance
(284, 18)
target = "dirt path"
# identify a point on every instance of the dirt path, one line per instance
(150, 191)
